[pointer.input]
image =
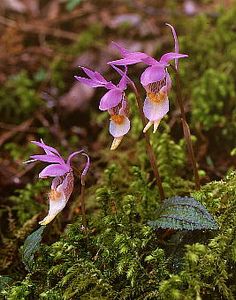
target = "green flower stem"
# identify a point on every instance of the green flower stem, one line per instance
(150, 152)
(186, 130)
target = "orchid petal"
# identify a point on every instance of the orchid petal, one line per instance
(72, 155)
(90, 82)
(152, 74)
(46, 148)
(138, 56)
(67, 185)
(99, 77)
(171, 55)
(111, 99)
(123, 51)
(130, 59)
(109, 86)
(87, 165)
(123, 74)
(60, 193)
(151, 61)
(88, 72)
(116, 142)
(149, 124)
(155, 111)
(54, 170)
(156, 124)
(56, 181)
(123, 82)
(166, 88)
(176, 43)
(124, 61)
(94, 75)
(122, 110)
(118, 130)
(48, 158)
(168, 82)
(55, 207)
(95, 80)
(128, 54)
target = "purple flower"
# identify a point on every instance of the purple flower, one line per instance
(155, 79)
(113, 101)
(63, 182)
(115, 93)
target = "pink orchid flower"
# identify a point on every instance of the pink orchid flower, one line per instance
(115, 92)
(155, 79)
(63, 182)
(113, 101)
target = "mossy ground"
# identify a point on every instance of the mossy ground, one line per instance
(120, 257)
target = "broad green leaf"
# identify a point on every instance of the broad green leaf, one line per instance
(184, 213)
(31, 245)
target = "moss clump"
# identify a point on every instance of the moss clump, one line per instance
(18, 98)
(209, 74)
(211, 97)
(209, 270)
(25, 203)
(120, 257)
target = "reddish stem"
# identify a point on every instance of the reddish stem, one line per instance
(186, 130)
(150, 152)
(82, 202)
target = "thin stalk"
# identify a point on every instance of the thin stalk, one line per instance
(82, 181)
(82, 202)
(186, 130)
(150, 152)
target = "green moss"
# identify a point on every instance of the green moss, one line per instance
(58, 67)
(18, 152)
(90, 37)
(18, 98)
(120, 257)
(212, 94)
(209, 74)
(72, 4)
(25, 203)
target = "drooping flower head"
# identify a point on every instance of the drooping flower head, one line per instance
(115, 93)
(114, 102)
(155, 79)
(62, 172)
